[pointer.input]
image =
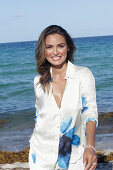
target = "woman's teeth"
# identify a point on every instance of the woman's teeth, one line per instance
(56, 58)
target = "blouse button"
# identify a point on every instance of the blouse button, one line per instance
(57, 139)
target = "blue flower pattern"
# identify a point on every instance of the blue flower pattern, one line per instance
(36, 115)
(76, 140)
(51, 79)
(66, 141)
(84, 102)
(92, 119)
(65, 125)
(34, 157)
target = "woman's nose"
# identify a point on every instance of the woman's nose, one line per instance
(55, 51)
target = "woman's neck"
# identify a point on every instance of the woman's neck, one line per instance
(58, 71)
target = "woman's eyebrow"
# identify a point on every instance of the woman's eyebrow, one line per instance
(61, 44)
(57, 44)
(48, 44)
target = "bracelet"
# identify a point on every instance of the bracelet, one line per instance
(89, 146)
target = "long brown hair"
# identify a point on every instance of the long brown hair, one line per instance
(43, 66)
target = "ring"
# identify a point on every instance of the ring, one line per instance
(94, 163)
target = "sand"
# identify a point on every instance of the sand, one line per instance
(15, 166)
(19, 160)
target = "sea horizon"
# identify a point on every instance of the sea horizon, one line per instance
(93, 36)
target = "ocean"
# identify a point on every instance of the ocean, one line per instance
(17, 98)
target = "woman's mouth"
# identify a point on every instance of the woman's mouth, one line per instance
(56, 58)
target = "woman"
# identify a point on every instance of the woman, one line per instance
(66, 110)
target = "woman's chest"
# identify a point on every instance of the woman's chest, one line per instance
(58, 90)
(69, 100)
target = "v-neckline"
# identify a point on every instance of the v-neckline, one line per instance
(59, 108)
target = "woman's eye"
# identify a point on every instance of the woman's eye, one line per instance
(48, 47)
(61, 46)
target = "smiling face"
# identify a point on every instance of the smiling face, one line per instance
(56, 49)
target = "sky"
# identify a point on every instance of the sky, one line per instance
(24, 20)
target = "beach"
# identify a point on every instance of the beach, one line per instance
(17, 98)
(19, 160)
(18, 163)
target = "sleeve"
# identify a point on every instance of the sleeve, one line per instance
(36, 80)
(88, 94)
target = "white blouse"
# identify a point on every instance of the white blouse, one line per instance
(59, 135)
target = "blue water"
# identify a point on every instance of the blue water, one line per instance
(18, 69)
(96, 53)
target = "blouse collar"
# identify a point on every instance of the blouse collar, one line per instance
(70, 72)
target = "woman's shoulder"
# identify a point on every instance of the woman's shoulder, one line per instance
(77, 71)
(82, 70)
(84, 74)
(36, 79)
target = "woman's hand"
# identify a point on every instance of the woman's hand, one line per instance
(89, 159)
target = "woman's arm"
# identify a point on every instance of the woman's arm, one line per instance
(90, 133)
(89, 156)
(89, 116)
